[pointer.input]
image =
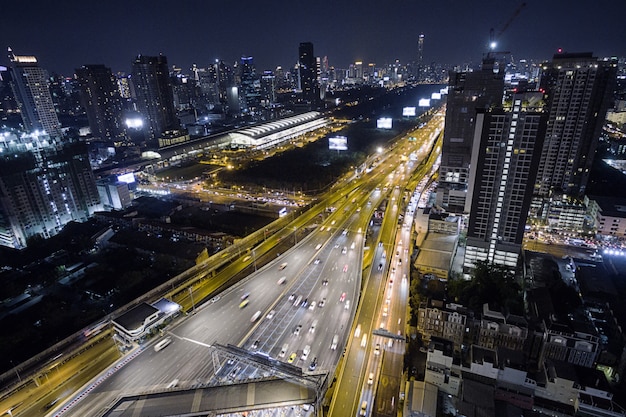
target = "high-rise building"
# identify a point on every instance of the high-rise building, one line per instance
(420, 58)
(506, 154)
(155, 100)
(30, 88)
(579, 88)
(102, 101)
(250, 86)
(45, 185)
(467, 92)
(307, 66)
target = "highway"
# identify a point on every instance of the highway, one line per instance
(325, 266)
(368, 353)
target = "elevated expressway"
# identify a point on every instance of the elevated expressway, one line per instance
(325, 265)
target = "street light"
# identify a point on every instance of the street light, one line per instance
(193, 305)
(15, 369)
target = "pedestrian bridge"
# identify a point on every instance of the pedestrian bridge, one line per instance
(215, 400)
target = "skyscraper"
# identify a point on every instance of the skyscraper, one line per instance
(155, 101)
(249, 93)
(45, 185)
(308, 73)
(507, 150)
(102, 102)
(467, 92)
(579, 88)
(420, 58)
(30, 88)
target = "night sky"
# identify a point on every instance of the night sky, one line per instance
(65, 35)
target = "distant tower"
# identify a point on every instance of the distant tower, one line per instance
(101, 98)
(579, 88)
(30, 88)
(420, 57)
(249, 94)
(155, 99)
(308, 73)
(467, 92)
(507, 150)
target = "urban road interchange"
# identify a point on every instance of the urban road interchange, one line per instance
(364, 308)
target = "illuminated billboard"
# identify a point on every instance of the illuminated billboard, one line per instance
(384, 123)
(127, 178)
(338, 143)
(408, 111)
(435, 96)
(424, 102)
(134, 123)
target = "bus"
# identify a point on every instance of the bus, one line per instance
(162, 344)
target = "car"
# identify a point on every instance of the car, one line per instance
(305, 352)
(333, 345)
(352, 245)
(313, 364)
(305, 303)
(357, 332)
(234, 372)
(385, 311)
(377, 349)
(345, 232)
(332, 223)
(296, 330)
(336, 245)
(254, 345)
(325, 282)
(343, 297)
(281, 280)
(358, 210)
(322, 303)
(292, 358)
(271, 314)
(347, 306)
(363, 411)
(317, 261)
(292, 297)
(245, 296)
(313, 325)
(298, 301)
(255, 316)
(345, 268)
(243, 303)
(283, 351)
(344, 250)
(319, 246)
(282, 266)
(364, 340)
(370, 379)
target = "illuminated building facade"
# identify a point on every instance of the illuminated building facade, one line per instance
(467, 92)
(45, 185)
(102, 102)
(579, 88)
(154, 97)
(507, 149)
(30, 88)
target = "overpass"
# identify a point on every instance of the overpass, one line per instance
(214, 400)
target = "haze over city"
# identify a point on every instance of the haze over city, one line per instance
(68, 35)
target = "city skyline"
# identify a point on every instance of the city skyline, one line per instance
(77, 34)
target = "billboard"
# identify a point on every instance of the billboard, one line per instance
(127, 178)
(384, 123)
(338, 143)
(435, 96)
(424, 102)
(408, 111)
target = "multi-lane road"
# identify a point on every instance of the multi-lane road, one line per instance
(260, 313)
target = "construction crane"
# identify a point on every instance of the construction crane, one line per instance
(493, 37)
